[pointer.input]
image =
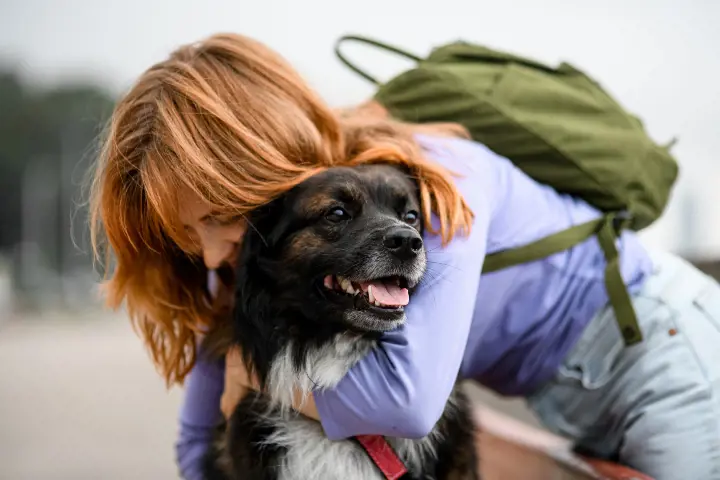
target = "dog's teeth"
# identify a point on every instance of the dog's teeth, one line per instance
(346, 285)
(371, 297)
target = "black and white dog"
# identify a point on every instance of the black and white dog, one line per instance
(323, 271)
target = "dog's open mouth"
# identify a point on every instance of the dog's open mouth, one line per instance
(388, 293)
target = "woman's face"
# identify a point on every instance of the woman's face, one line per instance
(216, 238)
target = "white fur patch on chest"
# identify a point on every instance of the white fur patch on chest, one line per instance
(322, 368)
(310, 454)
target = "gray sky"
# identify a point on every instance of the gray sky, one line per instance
(661, 58)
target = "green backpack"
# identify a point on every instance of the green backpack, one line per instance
(557, 125)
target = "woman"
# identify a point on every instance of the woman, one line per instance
(225, 125)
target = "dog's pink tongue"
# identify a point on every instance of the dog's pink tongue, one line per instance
(390, 294)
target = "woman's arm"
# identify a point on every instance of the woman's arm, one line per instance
(400, 389)
(199, 416)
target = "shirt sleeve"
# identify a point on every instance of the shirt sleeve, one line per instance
(199, 416)
(401, 387)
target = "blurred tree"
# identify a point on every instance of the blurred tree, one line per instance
(54, 130)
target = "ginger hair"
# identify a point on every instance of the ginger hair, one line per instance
(229, 119)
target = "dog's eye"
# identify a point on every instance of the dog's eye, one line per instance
(411, 216)
(337, 214)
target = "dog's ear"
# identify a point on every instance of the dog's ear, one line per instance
(267, 225)
(252, 299)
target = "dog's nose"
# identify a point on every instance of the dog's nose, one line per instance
(404, 242)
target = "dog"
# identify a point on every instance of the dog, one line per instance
(322, 272)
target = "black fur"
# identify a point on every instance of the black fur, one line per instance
(281, 299)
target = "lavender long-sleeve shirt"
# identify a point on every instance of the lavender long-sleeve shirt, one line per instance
(510, 329)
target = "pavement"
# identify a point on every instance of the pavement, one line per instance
(80, 400)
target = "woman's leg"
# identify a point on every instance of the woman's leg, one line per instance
(654, 406)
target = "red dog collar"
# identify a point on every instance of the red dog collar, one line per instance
(383, 455)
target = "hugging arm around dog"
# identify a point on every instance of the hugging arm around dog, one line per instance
(542, 330)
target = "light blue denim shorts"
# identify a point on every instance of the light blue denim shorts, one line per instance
(654, 406)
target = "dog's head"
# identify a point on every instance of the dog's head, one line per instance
(343, 248)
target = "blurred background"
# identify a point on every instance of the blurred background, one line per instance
(79, 398)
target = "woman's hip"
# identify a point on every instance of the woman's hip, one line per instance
(655, 404)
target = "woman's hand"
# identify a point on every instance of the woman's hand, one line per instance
(238, 382)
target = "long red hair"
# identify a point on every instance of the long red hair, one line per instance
(229, 119)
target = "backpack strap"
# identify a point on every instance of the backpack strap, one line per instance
(607, 230)
(373, 43)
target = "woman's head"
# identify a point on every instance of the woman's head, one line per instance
(202, 138)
